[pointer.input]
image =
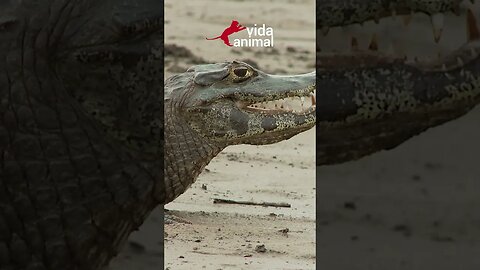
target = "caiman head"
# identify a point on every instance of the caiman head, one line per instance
(212, 106)
(388, 70)
(234, 103)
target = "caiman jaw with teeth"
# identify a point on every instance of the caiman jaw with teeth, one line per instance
(365, 44)
(296, 104)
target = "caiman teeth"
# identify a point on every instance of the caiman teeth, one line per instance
(296, 104)
(437, 26)
(407, 19)
(366, 44)
(472, 29)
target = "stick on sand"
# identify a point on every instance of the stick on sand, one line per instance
(266, 204)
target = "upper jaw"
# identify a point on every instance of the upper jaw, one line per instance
(276, 94)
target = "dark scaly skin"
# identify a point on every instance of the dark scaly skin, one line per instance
(364, 109)
(81, 127)
(382, 107)
(73, 185)
(203, 116)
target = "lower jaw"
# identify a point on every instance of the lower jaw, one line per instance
(457, 59)
(296, 105)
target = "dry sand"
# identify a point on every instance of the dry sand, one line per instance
(236, 236)
(224, 236)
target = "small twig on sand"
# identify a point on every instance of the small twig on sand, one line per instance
(252, 203)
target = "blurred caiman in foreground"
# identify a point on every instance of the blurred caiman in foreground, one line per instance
(372, 93)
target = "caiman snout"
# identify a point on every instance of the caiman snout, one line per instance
(235, 103)
(301, 104)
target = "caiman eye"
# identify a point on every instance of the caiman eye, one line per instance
(241, 73)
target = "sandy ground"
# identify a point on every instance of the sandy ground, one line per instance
(237, 236)
(231, 236)
(188, 23)
(415, 207)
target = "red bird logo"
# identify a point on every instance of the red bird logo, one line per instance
(233, 28)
